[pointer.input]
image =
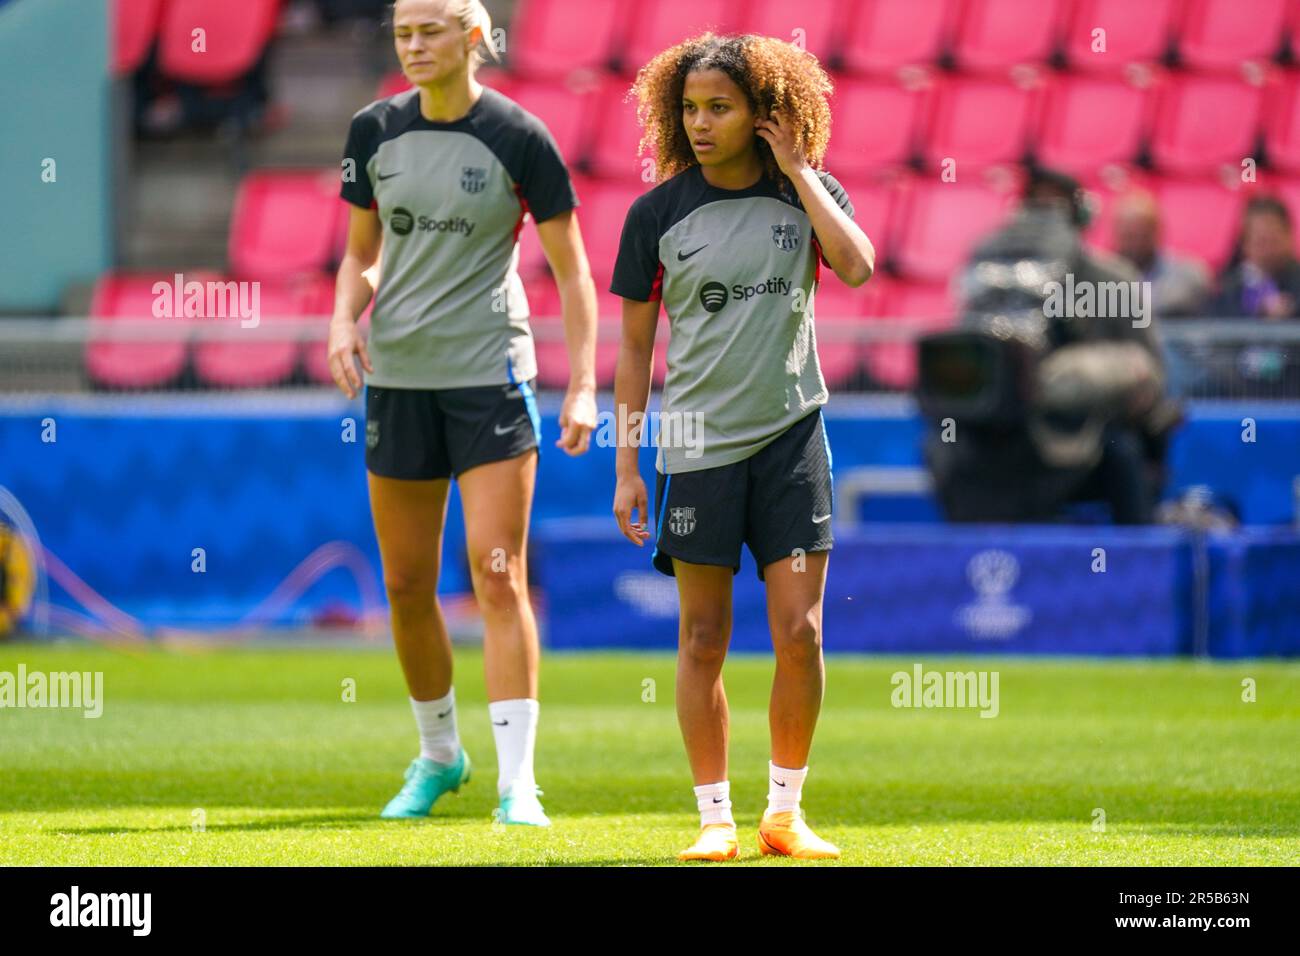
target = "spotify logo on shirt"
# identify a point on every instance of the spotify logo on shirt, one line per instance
(401, 221)
(714, 295)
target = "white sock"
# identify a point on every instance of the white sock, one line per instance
(714, 801)
(784, 788)
(514, 725)
(436, 720)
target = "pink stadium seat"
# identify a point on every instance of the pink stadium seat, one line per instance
(1202, 122)
(920, 308)
(249, 360)
(1087, 121)
(922, 300)
(884, 35)
(1135, 32)
(818, 20)
(1221, 34)
(284, 223)
(563, 110)
(1282, 122)
(235, 34)
(612, 131)
(135, 27)
(550, 38)
(858, 146)
(996, 34)
(835, 301)
(1199, 218)
(134, 364)
(664, 23)
(977, 122)
(940, 222)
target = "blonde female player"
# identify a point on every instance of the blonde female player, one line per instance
(441, 179)
(731, 242)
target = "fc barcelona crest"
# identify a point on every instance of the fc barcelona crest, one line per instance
(681, 521)
(786, 236)
(473, 179)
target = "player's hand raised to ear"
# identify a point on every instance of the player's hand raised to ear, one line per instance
(630, 498)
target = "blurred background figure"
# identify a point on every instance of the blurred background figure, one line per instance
(1179, 284)
(1071, 406)
(1264, 280)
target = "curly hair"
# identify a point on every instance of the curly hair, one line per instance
(773, 74)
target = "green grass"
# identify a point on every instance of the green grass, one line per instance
(285, 772)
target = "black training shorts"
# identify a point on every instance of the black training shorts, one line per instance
(422, 434)
(777, 501)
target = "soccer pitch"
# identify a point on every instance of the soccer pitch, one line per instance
(252, 756)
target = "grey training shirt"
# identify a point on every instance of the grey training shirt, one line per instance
(737, 271)
(450, 311)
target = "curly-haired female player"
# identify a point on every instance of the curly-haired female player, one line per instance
(731, 242)
(442, 178)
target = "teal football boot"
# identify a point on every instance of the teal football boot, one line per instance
(426, 781)
(520, 807)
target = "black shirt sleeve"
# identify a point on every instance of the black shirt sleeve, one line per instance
(841, 197)
(637, 271)
(362, 142)
(545, 183)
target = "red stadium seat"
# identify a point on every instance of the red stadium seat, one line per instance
(249, 360)
(284, 223)
(1134, 32)
(977, 122)
(1282, 122)
(550, 38)
(1222, 34)
(1202, 122)
(997, 34)
(613, 132)
(234, 37)
(940, 223)
(1199, 218)
(124, 363)
(874, 124)
(561, 108)
(1087, 121)
(135, 27)
(933, 302)
(813, 23)
(919, 308)
(884, 35)
(665, 23)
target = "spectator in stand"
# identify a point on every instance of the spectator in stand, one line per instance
(1179, 285)
(1263, 280)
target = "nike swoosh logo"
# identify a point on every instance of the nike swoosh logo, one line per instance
(683, 256)
(777, 782)
(500, 723)
(382, 177)
(717, 799)
(508, 429)
(445, 712)
(821, 519)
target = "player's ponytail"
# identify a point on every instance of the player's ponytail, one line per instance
(471, 14)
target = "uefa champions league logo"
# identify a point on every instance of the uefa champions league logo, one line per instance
(993, 574)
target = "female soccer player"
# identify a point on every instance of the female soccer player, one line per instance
(730, 242)
(441, 177)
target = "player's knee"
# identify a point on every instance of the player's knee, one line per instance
(704, 640)
(798, 640)
(499, 585)
(410, 585)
